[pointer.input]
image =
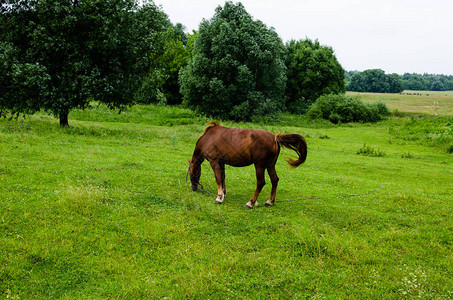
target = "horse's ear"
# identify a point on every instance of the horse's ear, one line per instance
(189, 161)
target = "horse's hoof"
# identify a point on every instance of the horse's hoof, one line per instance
(267, 204)
(247, 207)
(218, 202)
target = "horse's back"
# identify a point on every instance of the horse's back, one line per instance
(239, 136)
(237, 146)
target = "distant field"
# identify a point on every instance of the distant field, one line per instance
(421, 102)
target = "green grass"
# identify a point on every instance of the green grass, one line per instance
(102, 210)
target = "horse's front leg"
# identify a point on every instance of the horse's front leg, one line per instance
(222, 178)
(260, 182)
(219, 172)
(274, 179)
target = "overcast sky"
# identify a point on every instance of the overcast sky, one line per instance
(397, 36)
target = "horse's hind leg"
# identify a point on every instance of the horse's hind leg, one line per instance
(219, 172)
(274, 179)
(260, 182)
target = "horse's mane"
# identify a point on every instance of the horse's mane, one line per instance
(210, 125)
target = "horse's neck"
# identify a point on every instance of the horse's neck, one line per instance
(197, 158)
(200, 160)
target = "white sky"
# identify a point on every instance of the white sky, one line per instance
(397, 36)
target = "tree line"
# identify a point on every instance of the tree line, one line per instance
(59, 55)
(375, 80)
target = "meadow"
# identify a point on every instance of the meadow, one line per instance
(102, 209)
(414, 102)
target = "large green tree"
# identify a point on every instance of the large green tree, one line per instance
(237, 69)
(395, 83)
(56, 55)
(376, 81)
(312, 70)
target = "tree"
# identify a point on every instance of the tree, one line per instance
(180, 33)
(25, 83)
(395, 83)
(59, 54)
(191, 43)
(427, 82)
(376, 81)
(349, 74)
(237, 69)
(373, 81)
(414, 82)
(437, 86)
(161, 85)
(312, 70)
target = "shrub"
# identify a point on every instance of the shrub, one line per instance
(370, 151)
(382, 108)
(343, 108)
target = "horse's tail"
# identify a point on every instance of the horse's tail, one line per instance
(295, 142)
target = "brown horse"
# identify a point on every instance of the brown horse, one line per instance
(243, 147)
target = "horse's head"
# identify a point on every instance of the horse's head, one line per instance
(195, 173)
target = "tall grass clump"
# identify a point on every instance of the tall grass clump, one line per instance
(370, 151)
(343, 108)
(450, 149)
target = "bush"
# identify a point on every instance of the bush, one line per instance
(382, 108)
(343, 108)
(370, 151)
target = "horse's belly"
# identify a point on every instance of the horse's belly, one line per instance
(239, 164)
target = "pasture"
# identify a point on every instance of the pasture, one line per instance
(414, 102)
(102, 210)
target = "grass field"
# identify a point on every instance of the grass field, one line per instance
(414, 102)
(102, 210)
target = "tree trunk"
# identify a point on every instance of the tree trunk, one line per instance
(64, 119)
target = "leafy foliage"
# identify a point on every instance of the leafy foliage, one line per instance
(375, 81)
(169, 56)
(25, 82)
(382, 108)
(237, 68)
(413, 81)
(343, 108)
(71, 51)
(312, 70)
(427, 82)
